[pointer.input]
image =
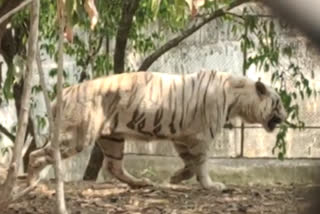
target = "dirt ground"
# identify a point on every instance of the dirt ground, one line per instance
(115, 198)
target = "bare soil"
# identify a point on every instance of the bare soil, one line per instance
(115, 198)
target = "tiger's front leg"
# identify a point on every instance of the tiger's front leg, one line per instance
(199, 164)
(113, 150)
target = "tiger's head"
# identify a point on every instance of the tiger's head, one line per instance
(255, 102)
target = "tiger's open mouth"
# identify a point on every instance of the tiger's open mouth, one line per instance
(273, 122)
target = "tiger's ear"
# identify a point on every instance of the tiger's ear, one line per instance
(261, 89)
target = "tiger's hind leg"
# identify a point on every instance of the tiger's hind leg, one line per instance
(113, 149)
(38, 160)
(186, 172)
(42, 157)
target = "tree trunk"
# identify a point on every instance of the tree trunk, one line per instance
(11, 46)
(17, 93)
(129, 8)
(45, 92)
(96, 155)
(0, 78)
(6, 192)
(61, 203)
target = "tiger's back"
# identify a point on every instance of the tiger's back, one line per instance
(145, 105)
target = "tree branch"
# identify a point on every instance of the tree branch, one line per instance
(186, 33)
(15, 10)
(251, 15)
(45, 91)
(26, 145)
(18, 195)
(25, 191)
(61, 203)
(7, 133)
(8, 5)
(129, 8)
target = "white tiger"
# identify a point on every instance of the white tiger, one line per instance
(189, 109)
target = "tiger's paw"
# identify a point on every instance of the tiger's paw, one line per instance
(217, 186)
(175, 180)
(207, 183)
(144, 182)
(181, 175)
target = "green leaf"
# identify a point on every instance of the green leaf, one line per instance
(53, 72)
(294, 95)
(41, 122)
(180, 8)
(8, 84)
(36, 89)
(305, 83)
(234, 29)
(71, 12)
(309, 91)
(271, 26)
(266, 67)
(287, 51)
(301, 94)
(155, 5)
(281, 156)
